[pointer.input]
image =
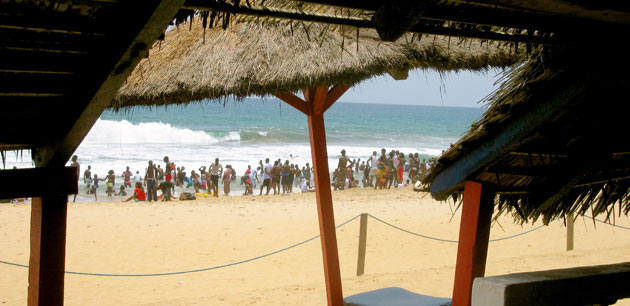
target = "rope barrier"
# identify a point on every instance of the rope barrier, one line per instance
(452, 241)
(293, 246)
(615, 225)
(195, 270)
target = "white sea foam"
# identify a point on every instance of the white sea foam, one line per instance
(124, 132)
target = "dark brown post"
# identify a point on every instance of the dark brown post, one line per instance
(317, 134)
(48, 250)
(362, 244)
(474, 232)
(48, 226)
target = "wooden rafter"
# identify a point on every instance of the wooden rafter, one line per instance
(150, 21)
(427, 27)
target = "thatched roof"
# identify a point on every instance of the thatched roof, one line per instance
(548, 142)
(265, 56)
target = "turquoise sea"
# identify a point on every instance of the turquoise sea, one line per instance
(241, 133)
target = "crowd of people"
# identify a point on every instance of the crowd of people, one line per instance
(379, 171)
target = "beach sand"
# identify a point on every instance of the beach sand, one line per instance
(138, 238)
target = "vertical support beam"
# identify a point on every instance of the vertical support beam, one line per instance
(570, 222)
(474, 232)
(48, 250)
(317, 135)
(362, 244)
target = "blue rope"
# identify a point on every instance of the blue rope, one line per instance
(452, 241)
(615, 225)
(196, 270)
(410, 232)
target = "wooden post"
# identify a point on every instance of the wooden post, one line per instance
(362, 242)
(316, 101)
(48, 226)
(317, 134)
(474, 232)
(570, 221)
(48, 250)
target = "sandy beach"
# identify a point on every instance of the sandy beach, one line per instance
(142, 238)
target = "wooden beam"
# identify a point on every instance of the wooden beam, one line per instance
(424, 27)
(58, 181)
(325, 212)
(508, 138)
(474, 233)
(334, 94)
(22, 60)
(150, 19)
(48, 250)
(294, 101)
(319, 99)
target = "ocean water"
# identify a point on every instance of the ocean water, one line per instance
(241, 133)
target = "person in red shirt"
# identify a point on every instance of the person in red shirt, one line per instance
(138, 194)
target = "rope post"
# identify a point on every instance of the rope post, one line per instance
(570, 221)
(362, 241)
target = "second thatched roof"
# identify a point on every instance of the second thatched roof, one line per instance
(262, 57)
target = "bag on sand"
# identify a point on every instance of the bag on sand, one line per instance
(186, 196)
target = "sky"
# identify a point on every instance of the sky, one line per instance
(423, 87)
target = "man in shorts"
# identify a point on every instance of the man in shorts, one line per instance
(216, 170)
(276, 174)
(266, 176)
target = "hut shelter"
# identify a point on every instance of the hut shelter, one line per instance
(61, 63)
(64, 61)
(275, 57)
(549, 147)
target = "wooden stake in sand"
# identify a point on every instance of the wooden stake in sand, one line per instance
(362, 244)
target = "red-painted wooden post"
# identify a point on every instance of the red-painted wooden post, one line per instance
(317, 134)
(48, 250)
(474, 232)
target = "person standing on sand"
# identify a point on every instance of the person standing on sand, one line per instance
(227, 179)
(160, 174)
(95, 185)
(87, 178)
(215, 171)
(253, 176)
(150, 181)
(342, 170)
(401, 167)
(306, 173)
(127, 177)
(266, 176)
(76, 165)
(111, 181)
(286, 170)
(276, 174)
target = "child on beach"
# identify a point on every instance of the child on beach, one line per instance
(122, 191)
(127, 177)
(95, 186)
(138, 194)
(111, 179)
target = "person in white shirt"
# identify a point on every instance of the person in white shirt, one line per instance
(137, 177)
(306, 186)
(266, 176)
